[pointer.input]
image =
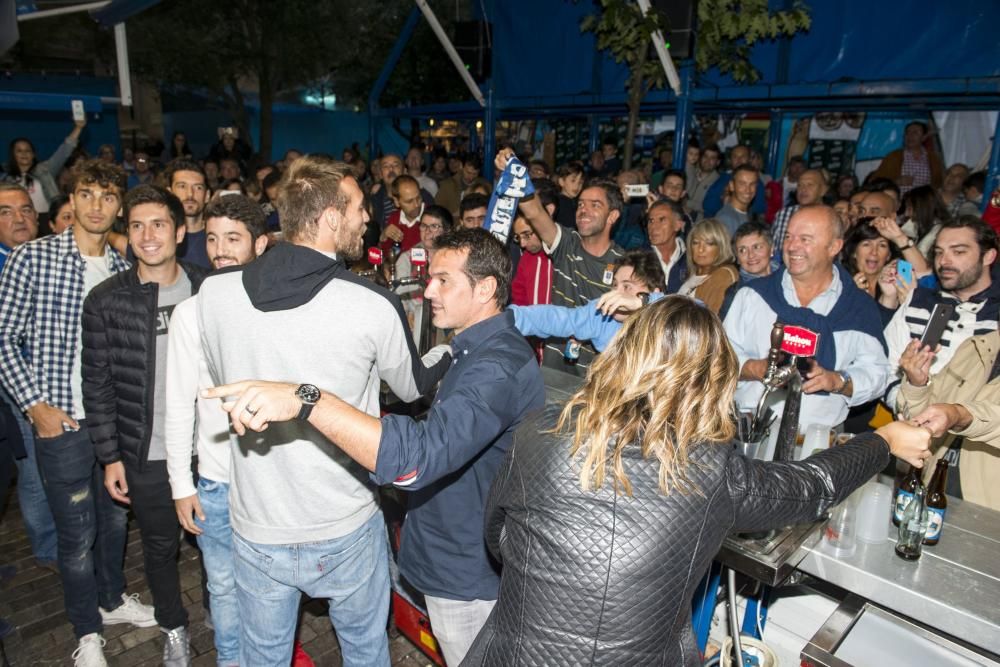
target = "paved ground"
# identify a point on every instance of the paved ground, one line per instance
(33, 602)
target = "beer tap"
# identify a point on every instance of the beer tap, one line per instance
(777, 376)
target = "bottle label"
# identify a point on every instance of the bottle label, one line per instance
(935, 522)
(903, 499)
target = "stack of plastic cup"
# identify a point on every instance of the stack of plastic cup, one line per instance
(874, 511)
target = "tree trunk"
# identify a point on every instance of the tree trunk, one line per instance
(238, 109)
(266, 112)
(636, 91)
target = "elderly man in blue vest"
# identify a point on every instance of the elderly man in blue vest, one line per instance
(815, 292)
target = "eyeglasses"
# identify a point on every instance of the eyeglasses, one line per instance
(431, 228)
(7, 212)
(525, 236)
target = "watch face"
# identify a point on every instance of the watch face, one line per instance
(308, 393)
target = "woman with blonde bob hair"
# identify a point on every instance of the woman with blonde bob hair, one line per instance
(607, 512)
(710, 264)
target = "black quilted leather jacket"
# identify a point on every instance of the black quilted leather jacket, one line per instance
(594, 578)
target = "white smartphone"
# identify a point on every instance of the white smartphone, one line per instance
(78, 112)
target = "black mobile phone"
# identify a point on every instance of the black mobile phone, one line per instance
(937, 324)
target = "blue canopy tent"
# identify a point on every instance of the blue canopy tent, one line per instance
(858, 56)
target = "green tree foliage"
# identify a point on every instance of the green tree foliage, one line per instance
(728, 29)
(726, 33)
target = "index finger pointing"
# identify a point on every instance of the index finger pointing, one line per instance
(224, 390)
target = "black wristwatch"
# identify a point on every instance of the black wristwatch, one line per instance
(309, 395)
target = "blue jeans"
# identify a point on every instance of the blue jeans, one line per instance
(352, 572)
(38, 521)
(91, 528)
(216, 544)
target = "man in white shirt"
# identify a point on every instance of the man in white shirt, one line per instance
(235, 234)
(850, 367)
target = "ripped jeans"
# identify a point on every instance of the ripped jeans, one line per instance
(90, 527)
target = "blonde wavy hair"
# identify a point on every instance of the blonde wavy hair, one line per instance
(664, 384)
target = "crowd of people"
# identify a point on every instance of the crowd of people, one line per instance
(133, 298)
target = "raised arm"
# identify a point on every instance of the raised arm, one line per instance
(539, 219)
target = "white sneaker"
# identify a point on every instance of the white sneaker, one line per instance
(131, 611)
(90, 652)
(176, 648)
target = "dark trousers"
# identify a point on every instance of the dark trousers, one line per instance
(91, 528)
(153, 506)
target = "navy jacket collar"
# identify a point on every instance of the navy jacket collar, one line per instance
(479, 332)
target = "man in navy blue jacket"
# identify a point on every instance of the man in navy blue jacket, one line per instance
(448, 461)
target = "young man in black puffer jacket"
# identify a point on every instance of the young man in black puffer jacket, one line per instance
(125, 323)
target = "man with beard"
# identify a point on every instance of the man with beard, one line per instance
(583, 260)
(964, 252)
(186, 180)
(304, 516)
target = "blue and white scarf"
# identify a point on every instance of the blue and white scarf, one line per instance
(514, 184)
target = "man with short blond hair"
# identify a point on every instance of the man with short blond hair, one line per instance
(304, 517)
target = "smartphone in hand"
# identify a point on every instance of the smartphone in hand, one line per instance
(937, 325)
(78, 112)
(905, 270)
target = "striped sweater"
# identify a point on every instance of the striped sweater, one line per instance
(975, 317)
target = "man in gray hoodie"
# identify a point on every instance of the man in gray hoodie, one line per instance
(304, 515)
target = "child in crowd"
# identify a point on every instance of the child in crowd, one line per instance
(638, 279)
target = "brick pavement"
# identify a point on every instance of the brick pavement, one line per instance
(32, 600)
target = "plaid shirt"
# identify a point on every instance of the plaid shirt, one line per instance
(780, 226)
(918, 166)
(41, 299)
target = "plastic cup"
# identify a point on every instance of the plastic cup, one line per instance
(873, 513)
(817, 437)
(840, 535)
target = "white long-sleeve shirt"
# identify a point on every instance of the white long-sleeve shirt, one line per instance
(748, 325)
(189, 420)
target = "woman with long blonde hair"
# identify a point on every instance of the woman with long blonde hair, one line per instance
(609, 510)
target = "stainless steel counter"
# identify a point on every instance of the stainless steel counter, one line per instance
(954, 587)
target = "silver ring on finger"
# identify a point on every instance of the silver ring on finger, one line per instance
(253, 413)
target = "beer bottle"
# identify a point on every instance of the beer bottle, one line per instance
(905, 494)
(913, 525)
(937, 503)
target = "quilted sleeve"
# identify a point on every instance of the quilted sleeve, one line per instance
(767, 495)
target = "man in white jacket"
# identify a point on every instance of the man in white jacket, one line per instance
(235, 235)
